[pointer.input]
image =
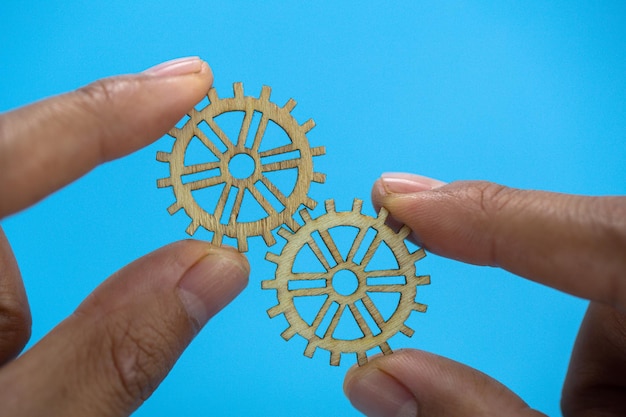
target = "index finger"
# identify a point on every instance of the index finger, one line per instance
(48, 144)
(573, 243)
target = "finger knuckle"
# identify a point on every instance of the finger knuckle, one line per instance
(15, 330)
(140, 356)
(100, 103)
(489, 197)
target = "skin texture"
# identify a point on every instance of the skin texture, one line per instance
(573, 243)
(114, 350)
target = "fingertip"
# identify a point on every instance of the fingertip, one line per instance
(363, 388)
(213, 282)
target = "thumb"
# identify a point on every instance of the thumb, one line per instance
(112, 353)
(413, 383)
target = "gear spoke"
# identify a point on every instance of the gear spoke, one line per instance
(373, 311)
(335, 321)
(310, 292)
(356, 244)
(361, 321)
(309, 276)
(220, 134)
(236, 206)
(221, 203)
(318, 253)
(371, 250)
(274, 190)
(382, 273)
(332, 247)
(207, 182)
(262, 201)
(385, 288)
(207, 142)
(194, 169)
(260, 132)
(321, 314)
(278, 151)
(280, 165)
(245, 128)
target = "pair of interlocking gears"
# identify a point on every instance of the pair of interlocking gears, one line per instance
(217, 173)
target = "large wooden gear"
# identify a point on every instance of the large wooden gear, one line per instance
(219, 172)
(355, 302)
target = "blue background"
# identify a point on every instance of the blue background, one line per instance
(528, 94)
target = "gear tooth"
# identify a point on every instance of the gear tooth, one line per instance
(242, 244)
(274, 311)
(164, 182)
(407, 331)
(310, 203)
(163, 156)
(329, 205)
(418, 254)
(174, 132)
(306, 216)
(174, 208)
(212, 95)
(404, 232)
(384, 347)
(272, 257)
(357, 206)
(361, 358)
(269, 238)
(238, 89)
(382, 214)
(265, 93)
(191, 229)
(217, 239)
(422, 280)
(319, 177)
(290, 105)
(308, 125)
(420, 307)
(319, 150)
(310, 349)
(288, 333)
(284, 233)
(335, 358)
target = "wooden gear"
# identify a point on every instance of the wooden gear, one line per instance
(211, 220)
(384, 234)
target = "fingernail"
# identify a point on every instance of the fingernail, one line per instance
(179, 66)
(401, 183)
(377, 394)
(209, 285)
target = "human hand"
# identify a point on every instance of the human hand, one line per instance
(111, 354)
(573, 243)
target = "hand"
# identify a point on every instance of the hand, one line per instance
(110, 355)
(572, 243)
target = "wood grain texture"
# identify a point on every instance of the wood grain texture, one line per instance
(359, 303)
(298, 153)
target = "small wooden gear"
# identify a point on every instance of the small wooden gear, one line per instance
(218, 172)
(358, 303)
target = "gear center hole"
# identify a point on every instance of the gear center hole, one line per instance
(241, 166)
(345, 282)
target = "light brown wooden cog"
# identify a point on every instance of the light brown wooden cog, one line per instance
(218, 172)
(359, 303)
